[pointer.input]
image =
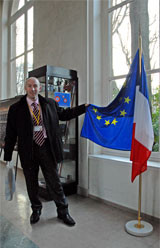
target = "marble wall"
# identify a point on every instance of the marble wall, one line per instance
(60, 39)
(110, 180)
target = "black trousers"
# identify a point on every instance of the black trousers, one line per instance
(42, 158)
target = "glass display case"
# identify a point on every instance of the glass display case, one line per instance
(4, 107)
(62, 85)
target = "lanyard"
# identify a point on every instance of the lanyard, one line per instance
(37, 120)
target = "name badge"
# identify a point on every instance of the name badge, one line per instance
(37, 128)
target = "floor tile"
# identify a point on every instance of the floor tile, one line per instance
(11, 237)
(98, 225)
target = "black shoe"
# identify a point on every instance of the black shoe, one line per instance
(67, 219)
(35, 216)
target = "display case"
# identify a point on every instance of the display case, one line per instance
(4, 107)
(62, 85)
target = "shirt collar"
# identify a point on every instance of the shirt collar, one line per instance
(29, 101)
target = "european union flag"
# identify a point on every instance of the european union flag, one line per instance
(112, 126)
(63, 99)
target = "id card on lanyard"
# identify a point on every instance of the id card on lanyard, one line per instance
(37, 128)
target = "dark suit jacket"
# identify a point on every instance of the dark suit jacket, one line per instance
(20, 125)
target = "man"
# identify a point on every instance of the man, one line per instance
(34, 123)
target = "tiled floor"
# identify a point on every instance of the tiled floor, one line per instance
(98, 225)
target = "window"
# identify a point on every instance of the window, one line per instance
(21, 40)
(17, 4)
(125, 18)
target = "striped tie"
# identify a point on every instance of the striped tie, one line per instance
(38, 136)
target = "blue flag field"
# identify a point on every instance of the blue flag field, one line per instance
(112, 126)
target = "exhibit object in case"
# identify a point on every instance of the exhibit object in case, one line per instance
(62, 85)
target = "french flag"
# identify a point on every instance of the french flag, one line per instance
(142, 134)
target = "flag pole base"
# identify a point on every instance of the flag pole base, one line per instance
(142, 230)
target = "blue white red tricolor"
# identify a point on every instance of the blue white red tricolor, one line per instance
(142, 136)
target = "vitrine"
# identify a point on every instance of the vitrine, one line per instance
(4, 107)
(62, 85)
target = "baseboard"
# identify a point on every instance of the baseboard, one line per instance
(115, 205)
(82, 191)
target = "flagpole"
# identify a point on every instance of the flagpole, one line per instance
(139, 225)
(140, 228)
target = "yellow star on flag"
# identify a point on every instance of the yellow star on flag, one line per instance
(127, 100)
(95, 110)
(99, 117)
(114, 122)
(123, 113)
(107, 122)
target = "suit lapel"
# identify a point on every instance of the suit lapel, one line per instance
(44, 104)
(25, 113)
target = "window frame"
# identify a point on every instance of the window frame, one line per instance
(155, 156)
(12, 19)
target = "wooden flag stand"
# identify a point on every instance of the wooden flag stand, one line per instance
(138, 227)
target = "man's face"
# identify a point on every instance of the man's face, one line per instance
(32, 88)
